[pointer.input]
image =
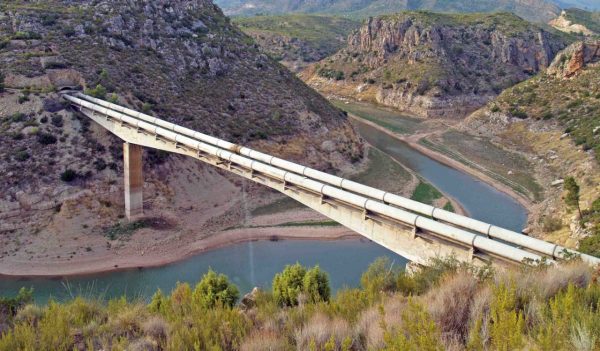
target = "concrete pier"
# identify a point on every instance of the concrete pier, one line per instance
(134, 180)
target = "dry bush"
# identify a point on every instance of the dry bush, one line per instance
(30, 314)
(319, 329)
(128, 321)
(449, 305)
(264, 341)
(369, 327)
(555, 279)
(156, 328)
(480, 311)
(143, 344)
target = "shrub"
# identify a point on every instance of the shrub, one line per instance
(287, 285)
(551, 224)
(57, 121)
(518, 113)
(46, 138)
(316, 285)
(380, 276)
(98, 92)
(215, 289)
(590, 245)
(68, 175)
(22, 156)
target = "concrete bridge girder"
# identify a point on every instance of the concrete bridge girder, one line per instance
(399, 238)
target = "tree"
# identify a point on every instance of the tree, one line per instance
(296, 280)
(288, 284)
(572, 197)
(316, 285)
(215, 289)
(380, 276)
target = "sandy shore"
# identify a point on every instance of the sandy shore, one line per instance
(413, 141)
(166, 255)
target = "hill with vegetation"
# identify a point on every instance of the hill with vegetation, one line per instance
(447, 306)
(553, 119)
(436, 65)
(574, 20)
(534, 10)
(180, 60)
(298, 39)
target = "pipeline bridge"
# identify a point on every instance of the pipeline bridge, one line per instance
(409, 228)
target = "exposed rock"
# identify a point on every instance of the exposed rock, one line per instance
(565, 25)
(437, 65)
(249, 300)
(574, 58)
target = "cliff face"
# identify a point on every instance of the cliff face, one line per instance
(180, 60)
(575, 58)
(439, 65)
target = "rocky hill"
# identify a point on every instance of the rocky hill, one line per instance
(297, 40)
(553, 117)
(577, 21)
(181, 60)
(436, 65)
(534, 10)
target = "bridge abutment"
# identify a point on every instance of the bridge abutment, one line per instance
(134, 180)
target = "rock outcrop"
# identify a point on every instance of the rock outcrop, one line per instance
(439, 65)
(574, 58)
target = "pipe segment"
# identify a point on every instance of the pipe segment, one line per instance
(538, 245)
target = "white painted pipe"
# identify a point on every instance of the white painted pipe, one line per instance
(538, 245)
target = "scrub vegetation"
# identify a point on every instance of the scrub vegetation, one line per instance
(446, 306)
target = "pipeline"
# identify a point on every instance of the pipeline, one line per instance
(348, 187)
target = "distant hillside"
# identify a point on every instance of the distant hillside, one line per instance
(534, 10)
(582, 4)
(298, 39)
(436, 64)
(578, 21)
(554, 119)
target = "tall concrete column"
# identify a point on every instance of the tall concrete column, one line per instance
(134, 180)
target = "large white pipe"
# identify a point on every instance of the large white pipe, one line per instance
(444, 230)
(550, 249)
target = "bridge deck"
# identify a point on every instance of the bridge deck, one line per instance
(414, 230)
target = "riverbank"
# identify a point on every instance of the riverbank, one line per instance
(164, 255)
(413, 142)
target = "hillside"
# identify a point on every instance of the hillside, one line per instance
(590, 5)
(436, 65)
(297, 40)
(553, 119)
(180, 60)
(534, 10)
(577, 21)
(448, 306)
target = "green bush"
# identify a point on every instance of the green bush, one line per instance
(215, 289)
(68, 175)
(22, 156)
(46, 138)
(295, 280)
(98, 92)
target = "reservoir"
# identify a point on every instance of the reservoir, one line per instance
(255, 263)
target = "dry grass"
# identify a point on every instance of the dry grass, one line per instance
(320, 329)
(369, 327)
(156, 328)
(264, 341)
(450, 305)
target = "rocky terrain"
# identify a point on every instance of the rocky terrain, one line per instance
(577, 21)
(436, 65)
(534, 10)
(297, 40)
(180, 60)
(553, 119)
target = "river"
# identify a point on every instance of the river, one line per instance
(255, 263)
